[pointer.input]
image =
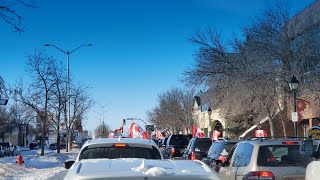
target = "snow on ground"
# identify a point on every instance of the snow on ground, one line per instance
(36, 167)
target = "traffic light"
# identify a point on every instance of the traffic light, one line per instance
(124, 122)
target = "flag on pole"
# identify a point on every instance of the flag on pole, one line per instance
(159, 134)
(136, 131)
(215, 135)
(111, 135)
(197, 132)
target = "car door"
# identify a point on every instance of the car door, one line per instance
(239, 163)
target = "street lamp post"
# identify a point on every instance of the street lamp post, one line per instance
(68, 80)
(293, 84)
(68, 71)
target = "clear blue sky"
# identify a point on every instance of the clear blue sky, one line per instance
(140, 47)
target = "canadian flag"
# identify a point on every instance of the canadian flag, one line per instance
(197, 132)
(111, 135)
(215, 134)
(118, 132)
(159, 134)
(136, 131)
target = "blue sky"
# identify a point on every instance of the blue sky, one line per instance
(140, 48)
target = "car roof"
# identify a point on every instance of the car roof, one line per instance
(259, 141)
(141, 168)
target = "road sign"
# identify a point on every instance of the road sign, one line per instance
(294, 116)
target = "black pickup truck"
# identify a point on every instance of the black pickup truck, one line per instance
(175, 145)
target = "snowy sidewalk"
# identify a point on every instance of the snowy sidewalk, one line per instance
(36, 167)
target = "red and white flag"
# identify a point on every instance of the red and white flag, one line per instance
(111, 135)
(159, 135)
(197, 132)
(215, 134)
(118, 132)
(136, 131)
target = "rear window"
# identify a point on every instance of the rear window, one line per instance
(279, 155)
(179, 140)
(202, 146)
(120, 152)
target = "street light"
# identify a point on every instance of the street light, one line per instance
(293, 84)
(68, 71)
(209, 112)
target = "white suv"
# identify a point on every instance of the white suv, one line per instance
(267, 159)
(128, 158)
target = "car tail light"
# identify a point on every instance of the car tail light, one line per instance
(193, 156)
(120, 145)
(173, 151)
(255, 175)
(290, 142)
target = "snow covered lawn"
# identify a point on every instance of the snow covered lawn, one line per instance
(36, 167)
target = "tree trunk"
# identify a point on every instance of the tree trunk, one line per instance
(43, 135)
(58, 139)
(271, 123)
(67, 140)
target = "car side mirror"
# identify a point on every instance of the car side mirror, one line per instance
(68, 163)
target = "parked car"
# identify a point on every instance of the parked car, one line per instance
(268, 159)
(175, 145)
(114, 148)
(197, 148)
(1, 151)
(6, 148)
(53, 146)
(215, 150)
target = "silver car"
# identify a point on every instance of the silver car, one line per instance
(266, 159)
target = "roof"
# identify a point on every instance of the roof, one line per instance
(140, 169)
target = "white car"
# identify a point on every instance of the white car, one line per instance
(112, 148)
(130, 158)
(140, 169)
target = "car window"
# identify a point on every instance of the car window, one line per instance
(228, 146)
(179, 140)
(279, 155)
(120, 152)
(242, 155)
(202, 146)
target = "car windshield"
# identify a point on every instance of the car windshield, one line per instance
(120, 152)
(279, 155)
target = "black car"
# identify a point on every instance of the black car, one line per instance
(216, 148)
(175, 145)
(197, 148)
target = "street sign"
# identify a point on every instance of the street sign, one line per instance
(294, 116)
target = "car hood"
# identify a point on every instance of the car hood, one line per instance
(140, 169)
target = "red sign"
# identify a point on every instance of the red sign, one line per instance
(301, 105)
(261, 133)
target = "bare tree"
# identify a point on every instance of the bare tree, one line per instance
(8, 122)
(81, 103)
(10, 16)
(174, 110)
(58, 102)
(253, 75)
(102, 130)
(38, 94)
